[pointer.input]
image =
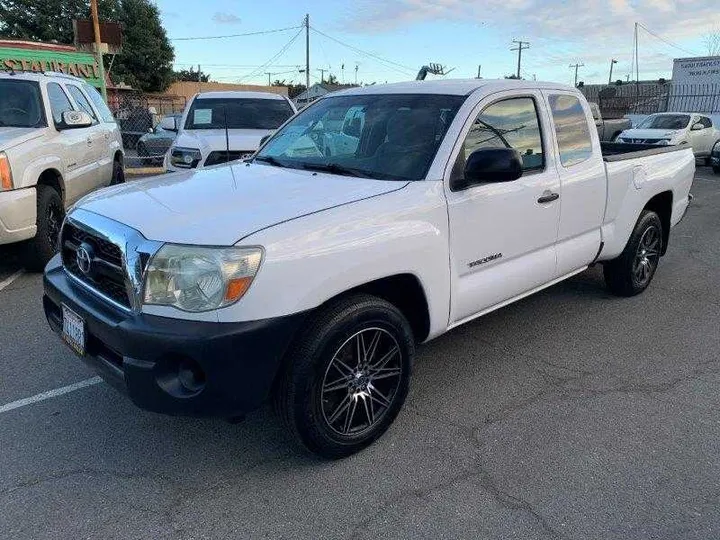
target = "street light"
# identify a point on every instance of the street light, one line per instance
(612, 62)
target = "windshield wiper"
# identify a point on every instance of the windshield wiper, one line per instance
(269, 159)
(334, 168)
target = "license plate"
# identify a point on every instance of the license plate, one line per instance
(73, 330)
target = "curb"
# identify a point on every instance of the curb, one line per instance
(144, 170)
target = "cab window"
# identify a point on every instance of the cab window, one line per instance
(81, 100)
(59, 102)
(100, 104)
(571, 129)
(510, 123)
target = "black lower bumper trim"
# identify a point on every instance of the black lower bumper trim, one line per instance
(174, 366)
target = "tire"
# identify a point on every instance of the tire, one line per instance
(631, 272)
(716, 169)
(707, 161)
(50, 215)
(332, 404)
(118, 174)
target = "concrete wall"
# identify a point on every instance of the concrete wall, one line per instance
(189, 89)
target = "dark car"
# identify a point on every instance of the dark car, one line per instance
(155, 143)
(715, 158)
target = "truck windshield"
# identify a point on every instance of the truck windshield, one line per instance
(20, 104)
(380, 136)
(666, 121)
(240, 113)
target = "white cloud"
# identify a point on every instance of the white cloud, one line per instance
(222, 17)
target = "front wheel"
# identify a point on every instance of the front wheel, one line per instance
(631, 272)
(347, 377)
(118, 174)
(50, 215)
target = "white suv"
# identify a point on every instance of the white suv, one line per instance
(202, 139)
(58, 142)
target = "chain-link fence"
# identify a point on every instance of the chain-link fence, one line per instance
(617, 101)
(139, 116)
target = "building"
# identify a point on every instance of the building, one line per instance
(20, 55)
(319, 90)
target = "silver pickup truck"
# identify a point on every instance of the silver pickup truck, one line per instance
(608, 130)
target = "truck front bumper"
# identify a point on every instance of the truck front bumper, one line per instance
(173, 366)
(18, 214)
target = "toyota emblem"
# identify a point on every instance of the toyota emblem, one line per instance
(83, 257)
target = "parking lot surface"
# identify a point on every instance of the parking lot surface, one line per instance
(571, 414)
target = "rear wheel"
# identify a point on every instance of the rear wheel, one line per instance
(631, 272)
(118, 174)
(347, 377)
(50, 215)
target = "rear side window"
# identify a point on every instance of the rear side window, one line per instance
(81, 100)
(100, 104)
(59, 102)
(571, 128)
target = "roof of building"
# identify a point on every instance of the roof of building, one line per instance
(239, 94)
(454, 86)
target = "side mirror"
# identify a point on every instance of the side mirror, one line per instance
(151, 130)
(697, 127)
(490, 165)
(75, 120)
(169, 123)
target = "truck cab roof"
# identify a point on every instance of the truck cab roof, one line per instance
(38, 76)
(458, 87)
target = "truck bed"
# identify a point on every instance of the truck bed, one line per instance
(612, 151)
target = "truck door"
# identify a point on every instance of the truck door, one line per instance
(503, 234)
(583, 179)
(78, 153)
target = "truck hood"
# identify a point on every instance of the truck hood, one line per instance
(12, 136)
(207, 140)
(221, 205)
(650, 133)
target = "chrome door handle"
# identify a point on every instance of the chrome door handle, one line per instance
(89, 141)
(548, 196)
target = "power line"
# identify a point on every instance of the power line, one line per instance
(360, 51)
(678, 47)
(259, 69)
(259, 33)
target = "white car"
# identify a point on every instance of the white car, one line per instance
(58, 142)
(202, 139)
(312, 276)
(695, 130)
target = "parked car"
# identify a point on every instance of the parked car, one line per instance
(312, 277)
(608, 130)
(667, 129)
(715, 158)
(202, 139)
(157, 141)
(58, 142)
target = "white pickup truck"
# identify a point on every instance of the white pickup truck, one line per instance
(58, 142)
(311, 276)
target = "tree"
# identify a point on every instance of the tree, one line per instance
(513, 76)
(712, 42)
(294, 90)
(331, 79)
(146, 59)
(192, 75)
(49, 20)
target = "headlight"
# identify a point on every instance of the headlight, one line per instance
(200, 278)
(6, 179)
(185, 158)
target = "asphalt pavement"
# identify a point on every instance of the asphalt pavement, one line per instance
(572, 414)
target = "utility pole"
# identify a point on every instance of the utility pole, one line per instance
(98, 50)
(576, 66)
(322, 74)
(356, 70)
(198, 81)
(479, 67)
(307, 57)
(269, 75)
(637, 58)
(521, 46)
(612, 63)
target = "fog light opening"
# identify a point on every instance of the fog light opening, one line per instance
(191, 375)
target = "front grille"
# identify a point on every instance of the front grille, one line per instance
(106, 274)
(642, 141)
(221, 156)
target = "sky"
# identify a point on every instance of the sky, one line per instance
(389, 40)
